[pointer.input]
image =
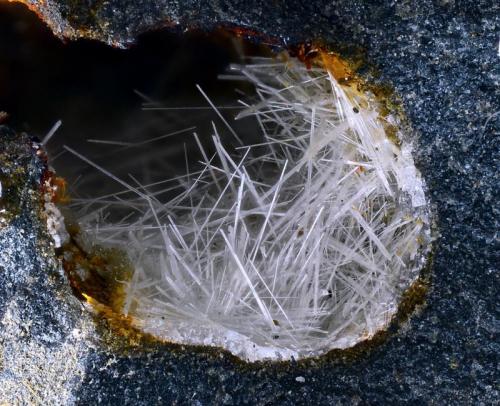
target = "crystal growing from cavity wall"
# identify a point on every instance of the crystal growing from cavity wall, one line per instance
(290, 247)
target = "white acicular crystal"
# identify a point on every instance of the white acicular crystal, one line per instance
(289, 248)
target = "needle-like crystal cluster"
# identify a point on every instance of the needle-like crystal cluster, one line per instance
(292, 247)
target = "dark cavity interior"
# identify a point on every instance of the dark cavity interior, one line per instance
(99, 93)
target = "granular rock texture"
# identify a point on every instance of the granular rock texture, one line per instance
(41, 324)
(442, 59)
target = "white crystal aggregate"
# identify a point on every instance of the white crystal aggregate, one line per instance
(292, 247)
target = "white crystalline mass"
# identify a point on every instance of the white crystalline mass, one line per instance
(292, 247)
(55, 219)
